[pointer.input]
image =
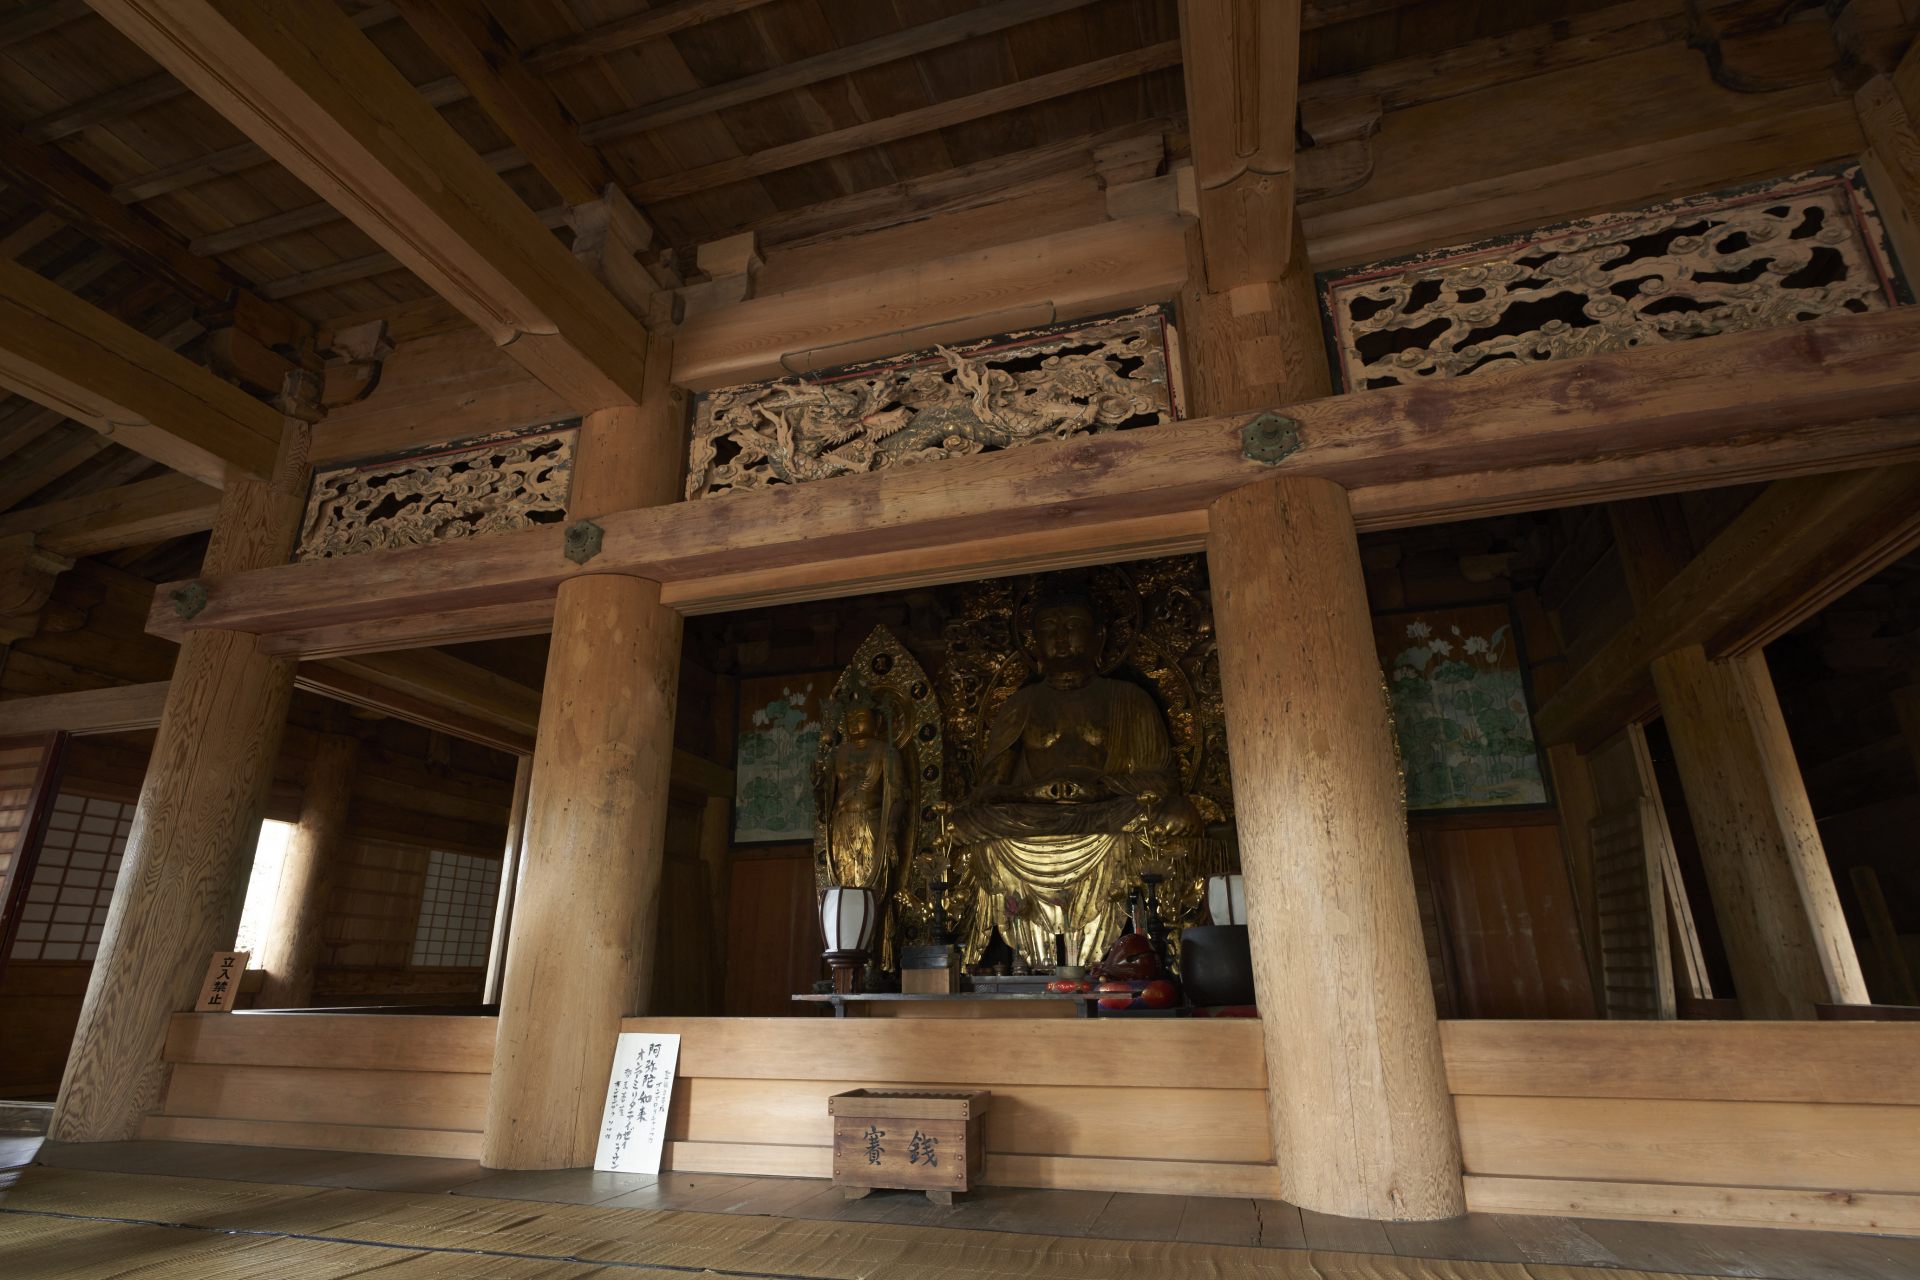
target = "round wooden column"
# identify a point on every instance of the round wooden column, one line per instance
(291, 949)
(184, 874)
(1780, 917)
(580, 955)
(1363, 1124)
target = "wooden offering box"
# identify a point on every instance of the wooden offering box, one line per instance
(914, 1140)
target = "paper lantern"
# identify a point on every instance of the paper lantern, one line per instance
(848, 918)
(1227, 899)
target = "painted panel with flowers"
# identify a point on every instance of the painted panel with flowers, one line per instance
(773, 763)
(1457, 682)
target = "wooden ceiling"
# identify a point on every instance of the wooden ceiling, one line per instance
(786, 117)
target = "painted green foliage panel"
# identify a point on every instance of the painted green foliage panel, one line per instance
(773, 770)
(1458, 687)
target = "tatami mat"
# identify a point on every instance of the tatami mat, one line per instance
(102, 1226)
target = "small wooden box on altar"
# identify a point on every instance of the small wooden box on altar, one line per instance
(910, 1139)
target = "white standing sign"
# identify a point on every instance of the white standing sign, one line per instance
(634, 1130)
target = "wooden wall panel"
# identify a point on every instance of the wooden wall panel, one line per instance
(1818, 1146)
(373, 1082)
(39, 1007)
(1842, 1062)
(1070, 1052)
(1113, 1104)
(1506, 906)
(425, 1099)
(342, 1042)
(773, 932)
(1111, 1121)
(1751, 1123)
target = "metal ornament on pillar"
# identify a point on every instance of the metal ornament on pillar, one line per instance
(848, 921)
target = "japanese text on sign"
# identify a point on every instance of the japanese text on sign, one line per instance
(633, 1130)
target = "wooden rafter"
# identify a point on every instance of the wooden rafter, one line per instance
(1242, 72)
(66, 189)
(1678, 416)
(309, 87)
(78, 359)
(940, 115)
(132, 515)
(798, 74)
(1794, 550)
(480, 53)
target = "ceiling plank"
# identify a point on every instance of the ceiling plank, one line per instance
(891, 47)
(68, 190)
(130, 515)
(1242, 72)
(940, 115)
(1098, 497)
(658, 20)
(76, 358)
(482, 56)
(306, 85)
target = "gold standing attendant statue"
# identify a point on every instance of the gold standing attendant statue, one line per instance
(864, 800)
(1067, 804)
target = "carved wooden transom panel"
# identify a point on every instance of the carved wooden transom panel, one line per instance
(510, 481)
(1793, 250)
(948, 401)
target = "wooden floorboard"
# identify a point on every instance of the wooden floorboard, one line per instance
(1562, 1241)
(1476, 1242)
(1219, 1220)
(1344, 1235)
(1133, 1215)
(1280, 1225)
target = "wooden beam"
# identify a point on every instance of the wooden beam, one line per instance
(75, 358)
(940, 115)
(1242, 73)
(121, 709)
(434, 689)
(1106, 497)
(311, 89)
(131, 515)
(1798, 547)
(1057, 277)
(477, 50)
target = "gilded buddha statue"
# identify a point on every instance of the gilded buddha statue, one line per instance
(863, 802)
(1076, 789)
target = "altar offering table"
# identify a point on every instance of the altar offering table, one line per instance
(958, 1004)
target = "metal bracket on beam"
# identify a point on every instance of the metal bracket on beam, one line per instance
(1269, 438)
(188, 600)
(583, 541)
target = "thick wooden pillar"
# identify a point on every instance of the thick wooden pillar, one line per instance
(580, 956)
(1773, 893)
(1363, 1124)
(184, 874)
(291, 950)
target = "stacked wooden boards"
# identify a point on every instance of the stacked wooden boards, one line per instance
(395, 1084)
(1115, 1105)
(1776, 1124)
